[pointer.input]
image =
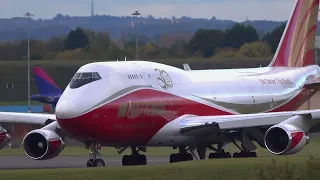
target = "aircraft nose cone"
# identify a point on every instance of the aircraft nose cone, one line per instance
(66, 109)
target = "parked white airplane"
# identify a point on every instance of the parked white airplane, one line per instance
(138, 104)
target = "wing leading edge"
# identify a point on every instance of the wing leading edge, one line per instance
(27, 118)
(196, 125)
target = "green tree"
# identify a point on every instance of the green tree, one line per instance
(255, 49)
(273, 37)
(76, 39)
(240, 34)
(179, 49)
(103, 48)
(56, 44)
(205, 41)
(38, 50)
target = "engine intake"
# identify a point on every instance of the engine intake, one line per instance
(42, 144)
(285, 139)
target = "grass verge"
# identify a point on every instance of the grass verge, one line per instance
(283, 168)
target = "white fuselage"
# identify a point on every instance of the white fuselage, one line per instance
(138, 102)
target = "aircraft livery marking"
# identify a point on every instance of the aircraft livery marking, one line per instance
(137, 109)
(275, 81)
(164, 80)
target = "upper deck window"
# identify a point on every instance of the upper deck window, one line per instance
(83, 78)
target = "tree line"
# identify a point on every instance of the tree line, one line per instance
(80, 44)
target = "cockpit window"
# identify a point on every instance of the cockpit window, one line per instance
(83, 78)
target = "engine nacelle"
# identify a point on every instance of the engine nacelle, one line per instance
(285, 139)
(42, 144)
(5, 138)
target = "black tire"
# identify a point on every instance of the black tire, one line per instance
(174, 158)
(213, 155)
(130, 161)
(236, 155)
(99, 163)
(189, 157)
(90, 163)
(227, 155)
(125, 160)
(183, 157)
(142, 160)
(253, 154)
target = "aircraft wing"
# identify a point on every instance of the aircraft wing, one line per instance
(27, 118)
(198, 125)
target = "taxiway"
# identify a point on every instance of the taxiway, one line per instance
(23, 162)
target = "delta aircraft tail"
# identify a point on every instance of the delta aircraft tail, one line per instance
(296, 47)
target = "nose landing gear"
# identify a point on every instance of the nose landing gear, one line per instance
(94, 161)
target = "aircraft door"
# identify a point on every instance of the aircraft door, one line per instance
(249, 89)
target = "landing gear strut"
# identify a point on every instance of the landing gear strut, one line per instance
(219, 153)
(134, 159)
(183, 155)
(94, 161)
(243, 153)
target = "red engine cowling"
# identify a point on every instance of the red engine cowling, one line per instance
(5, 138)
(42, 144)
(285, 139)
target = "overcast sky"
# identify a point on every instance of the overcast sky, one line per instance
(236, 10)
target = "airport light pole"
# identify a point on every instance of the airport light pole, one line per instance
(136, 14)
(28, 15)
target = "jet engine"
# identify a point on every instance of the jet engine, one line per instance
(285, 139)
(5, 138)
(42, 144)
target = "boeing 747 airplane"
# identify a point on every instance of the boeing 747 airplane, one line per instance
(137, 104)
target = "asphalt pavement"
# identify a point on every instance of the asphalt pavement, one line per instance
(23, 162)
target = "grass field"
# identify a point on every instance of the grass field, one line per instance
(284, 168)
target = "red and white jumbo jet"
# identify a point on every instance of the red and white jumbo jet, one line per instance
(138, 104)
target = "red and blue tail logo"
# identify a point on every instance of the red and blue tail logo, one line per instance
(44, 82)
(49, 92)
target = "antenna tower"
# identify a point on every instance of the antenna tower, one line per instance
(92, 8)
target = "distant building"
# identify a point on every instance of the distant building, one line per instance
(174, 20)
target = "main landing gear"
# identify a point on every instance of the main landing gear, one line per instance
(183, 155)
(94, 161)
(134, 159)
(244, 153)
(219, 153)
